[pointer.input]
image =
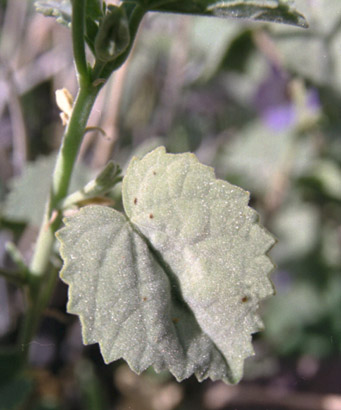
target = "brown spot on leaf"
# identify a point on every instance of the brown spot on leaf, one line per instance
(151, 216)
(135, 201)
(154, 173)
(144, 298)
(175, 320)
(245, 299)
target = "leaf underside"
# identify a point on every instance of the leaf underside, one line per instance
(176, 282)
(277, 11)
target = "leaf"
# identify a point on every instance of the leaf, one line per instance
(60, 9)
(176, 282)
(94, 9)
(297, 227)
(259, 153)
(313, 54)
(278, 11)
(113, 36)
(29, 191)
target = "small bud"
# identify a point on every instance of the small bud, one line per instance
(113, 36)
(64, 102)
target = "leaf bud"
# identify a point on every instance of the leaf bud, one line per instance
(113, 36)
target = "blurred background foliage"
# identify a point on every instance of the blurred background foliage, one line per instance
(261, 103)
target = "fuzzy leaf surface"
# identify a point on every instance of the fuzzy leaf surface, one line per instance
(176, 282)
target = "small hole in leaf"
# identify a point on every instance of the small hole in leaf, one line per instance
(245, 299)
(151, 216)
(135, 201)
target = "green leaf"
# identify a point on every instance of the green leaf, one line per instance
(94, 9)
(29, 191)
(60, 9)
(278, 11)
(176, 282)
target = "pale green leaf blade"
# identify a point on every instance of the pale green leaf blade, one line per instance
(177, 285)
(127, 302)
(210, 239)
(278, 11)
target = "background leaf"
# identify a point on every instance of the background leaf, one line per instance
(313, 54)
(26, 200)
(266, 10)
(182, 296)
(60, 9)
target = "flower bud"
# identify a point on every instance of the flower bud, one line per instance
(113, 36)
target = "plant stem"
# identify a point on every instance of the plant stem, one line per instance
(42, 277)
(41, 287)
(78, 29)
(62, 175)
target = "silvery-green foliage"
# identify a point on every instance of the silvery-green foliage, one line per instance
(176, 281)
(313, 54)
(279, 11)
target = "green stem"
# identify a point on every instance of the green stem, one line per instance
(41, 287)
(42, 277)
(61, 176)
(78, 30)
